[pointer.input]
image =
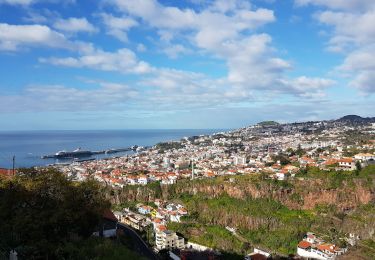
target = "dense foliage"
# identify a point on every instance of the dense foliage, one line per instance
(43, 213)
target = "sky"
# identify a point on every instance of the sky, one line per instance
(144, 64)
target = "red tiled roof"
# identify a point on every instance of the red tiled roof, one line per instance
(162, 227)
(157, 220)
(346, 160)
(327, 247)
(304, 244)
(6, 172)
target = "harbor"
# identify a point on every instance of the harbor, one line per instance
(79, 153)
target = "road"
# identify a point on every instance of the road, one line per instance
(140, 245)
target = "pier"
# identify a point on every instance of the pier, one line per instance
(79, 153)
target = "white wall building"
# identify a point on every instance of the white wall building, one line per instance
(168, 239)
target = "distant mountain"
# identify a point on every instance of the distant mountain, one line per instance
(356, 119)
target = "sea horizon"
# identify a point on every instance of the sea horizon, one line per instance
(29, 145)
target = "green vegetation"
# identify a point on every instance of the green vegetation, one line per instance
(46, 216)
(334, 179)
(268, 123)
(267, 213)
(95, 248)
(282, 158)
(352, 137)
(162, 147)
(262, 222)
(213, 236)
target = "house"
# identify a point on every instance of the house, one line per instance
(347, 164)
(142, 179)
(168, 239)
(364, 157)
(131, 180)
(315, 248)
(157, 222)
(209, 174)
(281, 176)
(144, 209)
(160, 228)
(167, 181)
(134, 220)
(182, 211)
(108, 225)
(174, 217)
(171, 207)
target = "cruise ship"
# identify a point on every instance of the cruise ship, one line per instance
(74, 154)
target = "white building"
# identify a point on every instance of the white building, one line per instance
(347, 164)
(239, 160)
(364, 156)
(142, 179)
(168, 239)
(315, 248)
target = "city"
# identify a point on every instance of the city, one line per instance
(279, 152)
(187, 130)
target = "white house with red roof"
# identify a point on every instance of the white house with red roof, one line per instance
(313, 247)
(347, 164)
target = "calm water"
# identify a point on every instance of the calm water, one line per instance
(28, 146)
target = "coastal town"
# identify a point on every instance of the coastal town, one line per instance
(276, 151)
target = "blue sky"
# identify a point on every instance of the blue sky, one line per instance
(118, 64)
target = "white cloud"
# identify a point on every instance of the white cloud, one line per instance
(349, 28)
(31, 2)
(168, 17)
(308, 87)
(360, 65)
(353, 35)
(349, 5)
(173, 51)
(61, 98)
(141, 47)
(12, 37)
(123, 60)
(251, 62)
(17, 2)
(224, 29)
(73, 24)
(118, 26)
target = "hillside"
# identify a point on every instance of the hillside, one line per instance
(267, 213)
(44, 215)
(356, 119)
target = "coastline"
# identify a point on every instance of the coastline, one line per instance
(29, 146)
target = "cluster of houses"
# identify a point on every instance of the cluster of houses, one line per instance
(246, 151)
(313, 247)
(157, 218)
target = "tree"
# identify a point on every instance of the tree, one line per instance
(40, 210)
(300, 151)
(358, 166)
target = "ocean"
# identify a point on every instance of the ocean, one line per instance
(29, 146)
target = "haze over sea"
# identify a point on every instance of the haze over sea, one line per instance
(29, 146)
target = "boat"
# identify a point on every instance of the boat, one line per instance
(77, 153)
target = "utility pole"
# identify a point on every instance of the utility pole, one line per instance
(14, 164)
